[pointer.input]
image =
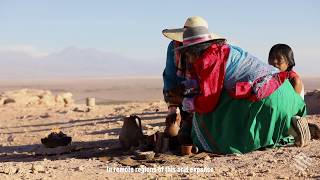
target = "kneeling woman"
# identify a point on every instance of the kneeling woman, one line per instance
(244, 104)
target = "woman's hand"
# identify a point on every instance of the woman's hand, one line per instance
(188, 105)
(190, 84)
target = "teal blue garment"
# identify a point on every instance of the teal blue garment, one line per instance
(243, 67)
(170, 78)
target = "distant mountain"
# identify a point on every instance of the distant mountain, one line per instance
(75, 62)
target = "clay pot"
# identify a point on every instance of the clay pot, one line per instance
(186, 150)
(172, 130)
(172, 124)
(131, 132)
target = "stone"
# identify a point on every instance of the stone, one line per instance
(148, 126)
(282, 177)
(8, 101)
(37, 168)
(80, 168)
(10, 138)
(156, 128)
(45, 115)
(21, 171)
(67, 98)
(146, 155)
(119, 122)
(79, 109)
(127, 161)
(28, 97)
(10, 170)
(47, 99)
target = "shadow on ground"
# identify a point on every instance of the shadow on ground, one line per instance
(81, 150)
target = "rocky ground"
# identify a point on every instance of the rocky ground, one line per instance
(94, 152)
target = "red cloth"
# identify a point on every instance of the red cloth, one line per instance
(210, 69)
(245, 89)
(292, 74)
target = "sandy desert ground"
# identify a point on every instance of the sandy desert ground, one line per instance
(94, 152)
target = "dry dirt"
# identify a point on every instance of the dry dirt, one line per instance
(94, 151)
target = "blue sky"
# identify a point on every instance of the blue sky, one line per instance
(133, 28)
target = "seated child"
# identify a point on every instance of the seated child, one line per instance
(281, 57)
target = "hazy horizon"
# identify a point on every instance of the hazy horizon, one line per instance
(93, 39)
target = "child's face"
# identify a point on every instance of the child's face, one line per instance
(279, 62)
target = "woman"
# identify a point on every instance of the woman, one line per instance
(175, 74)
(244, 104)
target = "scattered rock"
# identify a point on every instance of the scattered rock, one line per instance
(46, 115)
(33, 97)
(264, 170)
(8, 101)
(83, 109)
(21, 171)
(147, 155)
(271, 161)
(63, 111)
(282, 177)
(312, 100)
(10, 138)
(104, 159)
(47, 99)
(156, 128)
(128, 161)
(147, 126)
(202, 156)
(10, 170)
(119, 122)
(37, 168)
(251, 174)
(80, 168)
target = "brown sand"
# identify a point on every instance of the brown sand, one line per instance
(95, 132)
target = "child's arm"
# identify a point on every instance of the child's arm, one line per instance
(297, 84)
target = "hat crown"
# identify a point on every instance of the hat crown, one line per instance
(195, 35)
(195, 32)
(195, 21)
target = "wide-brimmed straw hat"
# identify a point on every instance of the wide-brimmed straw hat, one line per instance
(195, 21)
(195, 35)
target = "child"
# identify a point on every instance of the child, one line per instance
(281, 57)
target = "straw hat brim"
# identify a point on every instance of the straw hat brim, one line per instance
(191, 44)
(177, 34)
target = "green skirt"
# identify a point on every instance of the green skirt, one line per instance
(241, 126)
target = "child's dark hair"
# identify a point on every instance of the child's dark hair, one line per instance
(282, 50)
